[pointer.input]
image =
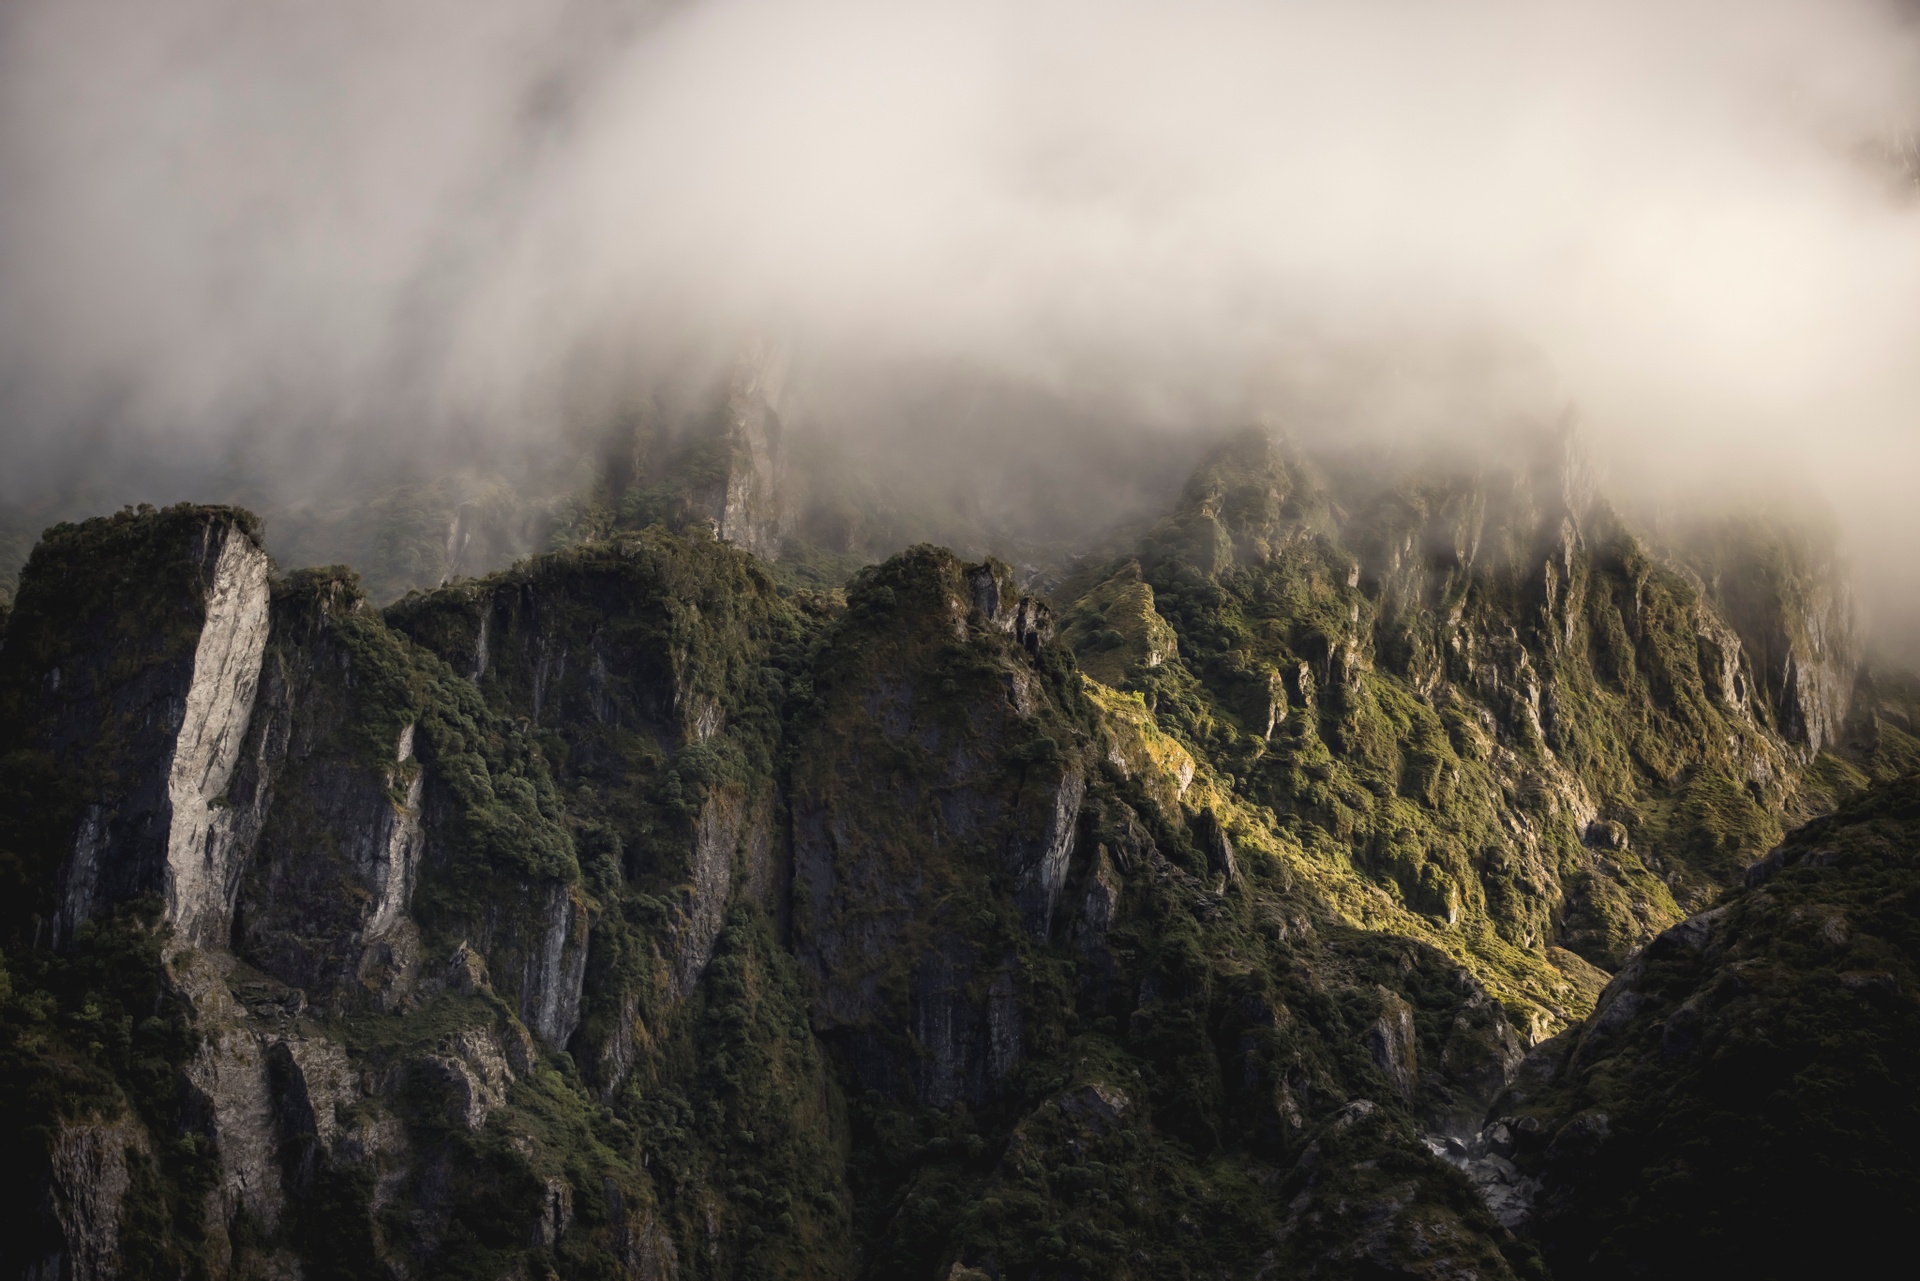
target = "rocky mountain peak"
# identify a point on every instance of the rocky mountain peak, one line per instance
(711, 459)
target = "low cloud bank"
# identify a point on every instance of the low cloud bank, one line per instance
(298, 241)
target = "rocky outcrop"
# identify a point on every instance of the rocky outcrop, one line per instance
(229, 1102)
(540, 941)
(87, 1191)
(1390, 1043)
(709, 458)
(1137, 747)
(1041, 847)
(1114, 627)
(1001, 606)
(204, 843)
(1785, 594)
(1348, 1214)
(1728, 1054)
(1221, 862)
(476, 1070)
(313, 1083)
(873, 855)
(138, 692)
(746, 508)
(326, 901)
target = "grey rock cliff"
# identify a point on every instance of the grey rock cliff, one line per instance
(155, 821)
(325, 902)
(89, 1183)
(205, 843)
(553, 960)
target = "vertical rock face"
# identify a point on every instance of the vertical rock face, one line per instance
(1816, 685)
(746, 509)
(88, 1189)
(1040, 850)
(1390, 1043)
(1723, 664)
(638, 658)
(342, 825)
(204, 843)
(395, 865)
(712, 461)
(80, 890)
(325, 906)
(968, 1047)
(325, 903)
(1785, 593)
(134, 693)
(976, 789)
(548, 933)
(717, 834)
(228, 1100)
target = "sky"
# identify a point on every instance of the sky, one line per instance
(312, 233)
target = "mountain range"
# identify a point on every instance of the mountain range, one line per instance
(1365, 867)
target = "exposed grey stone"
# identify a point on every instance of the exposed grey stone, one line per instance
(1391, 1043)
(89, 1183)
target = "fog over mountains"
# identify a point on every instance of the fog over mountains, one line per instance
(286, 253)
(840, 641)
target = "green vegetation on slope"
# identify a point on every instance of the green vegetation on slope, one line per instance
(1743, 1101)
(752, 927)
(1485, 695)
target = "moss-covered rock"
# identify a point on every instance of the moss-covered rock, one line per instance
(1513, 715)
(1743, 1098)
(367, 1058)
(127, 683)
(646, 911)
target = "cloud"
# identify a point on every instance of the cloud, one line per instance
(329, 225)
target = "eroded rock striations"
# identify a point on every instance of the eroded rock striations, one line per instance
(140, 717)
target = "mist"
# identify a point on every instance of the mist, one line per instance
(297, 243)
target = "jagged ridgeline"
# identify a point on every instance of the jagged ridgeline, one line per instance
(634, 913)
(1488, 697)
